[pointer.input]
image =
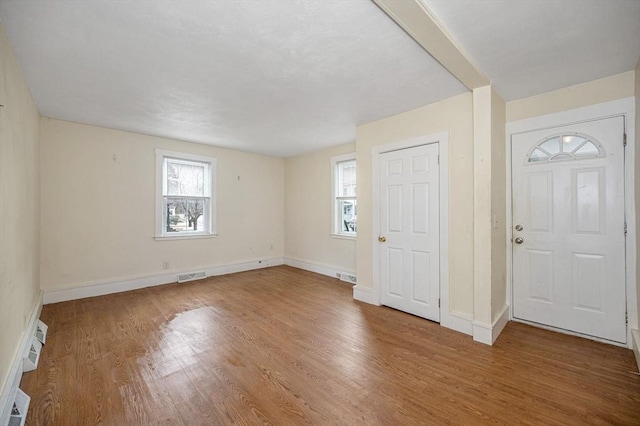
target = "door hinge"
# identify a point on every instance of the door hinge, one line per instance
(625, 229)
(438, 159)
(624, 139)
(438, 303)
(626, 318)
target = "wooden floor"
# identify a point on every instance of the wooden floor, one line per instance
(283, 346)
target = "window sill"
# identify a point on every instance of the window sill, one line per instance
(184, 237)
(343, 236)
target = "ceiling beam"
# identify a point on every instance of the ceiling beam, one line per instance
(414, 18)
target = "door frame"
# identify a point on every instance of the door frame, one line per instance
(442, 139)
(622, 107)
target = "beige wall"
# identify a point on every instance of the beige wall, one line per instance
(308, 212)
(498, 206)
(453, 115)
(637, 183)
(590, 93)
(481, 239)
(98, 206)
(19, 207)
(489, 205)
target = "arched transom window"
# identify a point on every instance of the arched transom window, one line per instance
(566, 147)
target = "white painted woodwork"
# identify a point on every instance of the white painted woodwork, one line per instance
(409, 220)
(569, 272)
(415, 19)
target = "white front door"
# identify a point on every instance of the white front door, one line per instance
(409, 231)
(568, 228)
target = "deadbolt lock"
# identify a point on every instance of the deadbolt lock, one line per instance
(519, 228)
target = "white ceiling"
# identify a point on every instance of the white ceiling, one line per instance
(528, 47)
(278, 77)
(284, 77)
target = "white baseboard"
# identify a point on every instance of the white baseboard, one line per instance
(482, 333)
(15, 372)
(456, 321)
(318, 268)
(242, 267)
(635, 337)
(133, 283)
(500, 323)
(365, 295)
(488, 334)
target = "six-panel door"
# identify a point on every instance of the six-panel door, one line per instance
(569, 232)
(409, 230)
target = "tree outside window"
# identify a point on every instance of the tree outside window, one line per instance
(344, 192)
(186, 194)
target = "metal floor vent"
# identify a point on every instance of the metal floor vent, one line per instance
(18, 414)
(349, 278)
(30, 362)
(191, 276)
(41, 332)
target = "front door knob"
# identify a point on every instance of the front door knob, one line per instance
(519, 240)
(382, 239)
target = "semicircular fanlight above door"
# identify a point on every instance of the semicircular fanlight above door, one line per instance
(565, 147)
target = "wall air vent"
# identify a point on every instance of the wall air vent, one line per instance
(191, 276)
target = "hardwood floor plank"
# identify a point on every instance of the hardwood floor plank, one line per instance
(283, 346)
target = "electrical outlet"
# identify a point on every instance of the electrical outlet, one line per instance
(166, 265)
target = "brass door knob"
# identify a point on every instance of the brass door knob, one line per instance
(382, 239)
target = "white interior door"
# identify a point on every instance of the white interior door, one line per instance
(409, 231)
(569, 230)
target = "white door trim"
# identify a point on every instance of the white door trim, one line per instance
(443, 140)
(622, 107)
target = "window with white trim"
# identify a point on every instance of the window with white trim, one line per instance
(345, 210)
(185, 198)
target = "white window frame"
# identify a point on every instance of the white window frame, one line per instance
(209, 229)
(336, 226)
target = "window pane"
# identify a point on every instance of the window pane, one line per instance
(587, 150)
(185, 214)
(185, 178)
(347, 179)
(538, 155)
(552, 146)
(569, 143)
(348, 216)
